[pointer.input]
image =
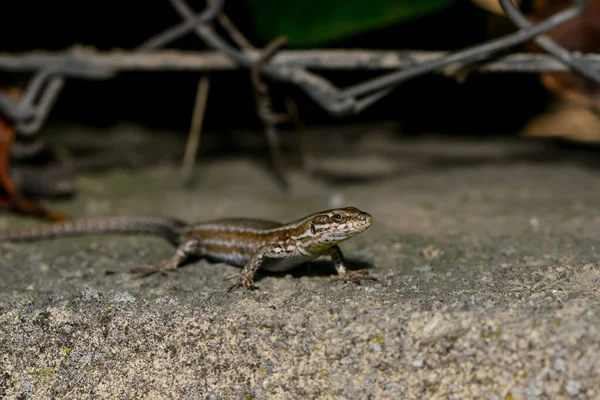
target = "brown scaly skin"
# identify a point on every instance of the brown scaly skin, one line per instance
(248, 243)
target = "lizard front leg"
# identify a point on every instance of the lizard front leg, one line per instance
(246, 275)
(185, 249)
(337, 258)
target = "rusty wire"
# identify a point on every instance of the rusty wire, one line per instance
(48, 81)
(352, 59)
(264, 109)
(472, 54)
(562, 54)
(51, 70)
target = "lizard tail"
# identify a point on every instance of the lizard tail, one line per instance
(155, 226)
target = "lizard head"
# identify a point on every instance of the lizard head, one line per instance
(323, 230)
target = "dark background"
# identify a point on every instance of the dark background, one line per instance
(485, 104)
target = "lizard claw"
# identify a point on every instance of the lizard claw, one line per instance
(244, 279)
(149, 269)
(355, 276)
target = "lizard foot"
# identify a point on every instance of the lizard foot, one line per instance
(161, 266)
(244, 278)
(355, 276)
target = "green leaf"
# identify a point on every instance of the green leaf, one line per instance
(315, 22)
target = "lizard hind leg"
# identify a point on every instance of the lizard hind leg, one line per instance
(185, 249)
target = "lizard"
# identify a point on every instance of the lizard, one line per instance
(251, 244)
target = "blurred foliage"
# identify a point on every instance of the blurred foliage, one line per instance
(308, 23)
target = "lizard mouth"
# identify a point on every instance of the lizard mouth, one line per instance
(354, 229)
(365, 220)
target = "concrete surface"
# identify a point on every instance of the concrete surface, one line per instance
(486, 252)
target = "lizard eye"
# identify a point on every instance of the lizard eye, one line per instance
(313, 229)
(337, 217)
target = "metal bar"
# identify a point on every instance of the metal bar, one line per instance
(318, 88)
(577, 64)
(469, 55)
(202, 61)
(177, 31)
(292, 66)
(56, 72)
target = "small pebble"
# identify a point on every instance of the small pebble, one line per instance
(572, 387)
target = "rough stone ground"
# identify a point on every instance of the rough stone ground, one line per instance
(487, 254)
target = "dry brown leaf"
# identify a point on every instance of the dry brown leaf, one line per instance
(493, 6)
(566, 121)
